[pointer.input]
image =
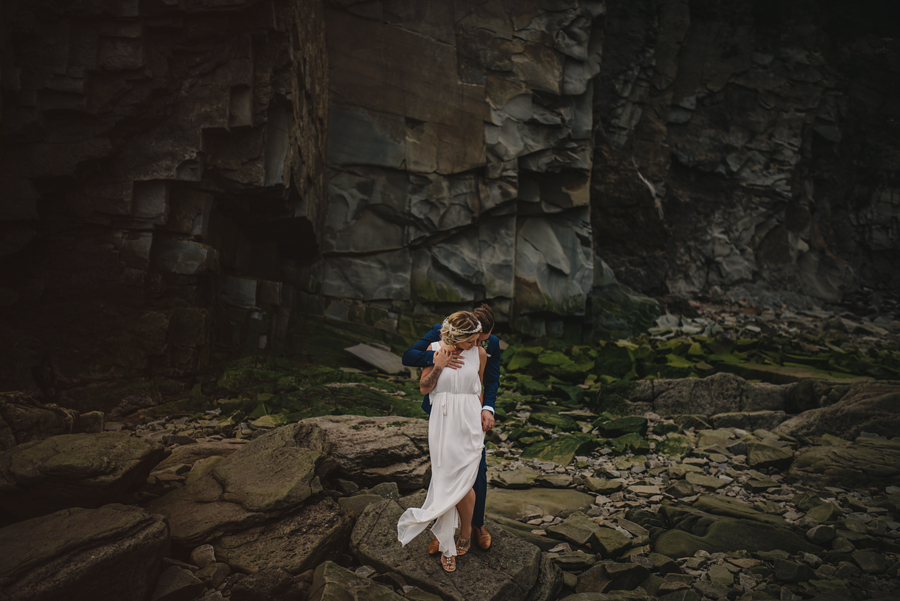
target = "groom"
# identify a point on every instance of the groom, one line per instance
(419, 356)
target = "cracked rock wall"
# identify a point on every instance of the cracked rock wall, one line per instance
(540, 153)
(460, 158)
(161, 162)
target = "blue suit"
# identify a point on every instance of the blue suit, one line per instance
(418, 355)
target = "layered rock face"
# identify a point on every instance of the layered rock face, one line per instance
(460, 145)
(162, 167)
(747, 141)
(181, 179)
(539, 153)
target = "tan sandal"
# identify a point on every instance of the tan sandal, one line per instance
(462, 546)
(448, 563)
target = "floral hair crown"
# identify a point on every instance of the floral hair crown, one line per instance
(455, 330)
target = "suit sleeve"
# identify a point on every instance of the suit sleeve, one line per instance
(492, 376)
(418, 354)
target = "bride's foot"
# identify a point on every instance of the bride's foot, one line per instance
(448, 563)
(462, 545)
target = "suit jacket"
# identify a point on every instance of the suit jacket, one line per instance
(418, 355)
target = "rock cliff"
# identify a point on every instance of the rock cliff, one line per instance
(186, 180)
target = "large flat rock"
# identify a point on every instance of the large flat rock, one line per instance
(378, 358)
(866, 462)
(74, 470)
(268, 478)
(105, 554)
(296, 543)
(506, 572)
(371, 450)
(516, 504)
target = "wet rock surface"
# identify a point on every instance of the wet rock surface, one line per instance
(114, 552)
(70, 470)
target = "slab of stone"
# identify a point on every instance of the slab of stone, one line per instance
(865, 462)
(576, 529)
(603, 486)
(725, 506)
(554, 480)
(23, 418)
(561, 450)
(267, 478)
(520, 478)
(83, 470)
(372, 450)
(728, 535)
(331, 581)
(108, 554)
(378, 358)
(177, 584)
(509, 571)
(609, 576)
(870, 562)
(295, 543)
(761, 455)
(705, 481)
(609, 542)
(517, 504)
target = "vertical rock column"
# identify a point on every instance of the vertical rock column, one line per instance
(460, 156)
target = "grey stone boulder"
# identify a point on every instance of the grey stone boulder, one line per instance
(192, 453)
(718, 393)
(371, 450)
(729, 534)
(866, 462)
(177, 584)
(378, 358)
(271, 584)
(268, 478)
(516, 504)
(105, 554)
(83, 470)
(508, 572)
(24, 419)
(331, 581)
(295, 543)
(749, 420)
(867, 407)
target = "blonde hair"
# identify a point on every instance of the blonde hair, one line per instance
(460, 327)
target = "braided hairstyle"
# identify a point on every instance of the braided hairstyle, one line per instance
(460, 327)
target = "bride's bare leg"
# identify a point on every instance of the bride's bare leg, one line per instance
(465, 508)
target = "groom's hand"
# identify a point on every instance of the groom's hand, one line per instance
(455, 360)
(487, 419)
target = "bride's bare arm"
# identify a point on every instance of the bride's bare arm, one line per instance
(430, 374)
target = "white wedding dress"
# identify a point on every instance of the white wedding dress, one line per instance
(455, 441)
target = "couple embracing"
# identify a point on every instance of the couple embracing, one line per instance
(460, 411)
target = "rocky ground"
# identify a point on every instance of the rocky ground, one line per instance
(608, 479)
(582, 506)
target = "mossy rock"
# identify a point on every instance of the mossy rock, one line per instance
(571, 395)
(528, 385)
(614, 360)
(518, 433)
(633, 442)
(674, 446)
(551, 420)
(663, 428)
(623, 425)
(563, 449)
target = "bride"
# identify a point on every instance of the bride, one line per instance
(455, 439)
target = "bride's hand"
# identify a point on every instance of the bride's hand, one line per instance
(442, 357)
